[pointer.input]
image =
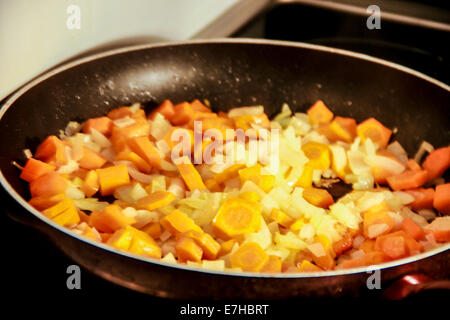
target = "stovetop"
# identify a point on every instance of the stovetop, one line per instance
(35, 269)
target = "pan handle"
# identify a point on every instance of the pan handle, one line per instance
(413, 283)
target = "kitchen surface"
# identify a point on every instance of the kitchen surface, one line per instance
(35, 36)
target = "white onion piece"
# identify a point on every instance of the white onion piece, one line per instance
(124, 122)
(246, 111)
(376, 229)
(358, 241)
(27, 153)
(167, 166)
(424, 147)
(100, 139)
(72, 128)
(428, 214)
(77, 143)
(397, 150)
(317, 249)
(139, 176)
(392, 166)
(109, 154)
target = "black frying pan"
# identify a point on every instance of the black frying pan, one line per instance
(229, 73)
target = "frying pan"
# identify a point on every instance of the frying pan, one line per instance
(229, 73)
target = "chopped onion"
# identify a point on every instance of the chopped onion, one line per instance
(124, 122)
(27, 153)
(246, 111)
(77, 143)
(135, 107)
(424, 147)
(398, 151)
(167, 166)
(139, 176)
(109, 154)
(428, 214)
(144, 217)
(357, 254)
(385, 163)
(377, 229)
(100, 139)
(358, 241)
(159, 126)
(68, 168)
(317, 249)
(72, 128)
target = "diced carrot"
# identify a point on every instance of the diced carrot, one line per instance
(44, 202)
(178, 222)
(319, 113)
(340, 129)
(217, 124)
(441, 199)
(440, 228)
(305, 180)
(178, 135)
(272, 265)
(318, 155)
(281, 218)
(197, 105)
(91, 159)
(236, 217)
(307, 266)
(68, 217)
(370, 258)
(165, 108)
(48, 184)
(411, 246)
(144, 245)
(144, 148)
(368, 246)
(121, 239)
(34, 169)
(437, 162)
(58, 208)
(394, 247)
(91, 183)
(228, 173)
(190, 175)
(253, 173)
(318, 197)
(408, 180)
(140, 163)
(413, 165)
(84, 217)
(423, 198)
(343, 245)
(120, 112)
(354, 263)
(249, 257)
(101, 124)
(155, 200)
(326, 260)
(377, 221)
(153, 229)
(110, 219)
(226, 247)
(52, 147)
(188, 250)
(373, 129)
(184, 113)
(209, 246)
(105, 236)
(112, 177)
(245, 122)
(412, 229)
(212, 185)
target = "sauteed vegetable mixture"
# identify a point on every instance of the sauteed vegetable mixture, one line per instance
(216, 202)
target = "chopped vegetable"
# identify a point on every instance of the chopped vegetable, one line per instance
(437, 162)
(373, 129)
(190, 175)
(441, 200)
(249, 257)
(319, 113)
(112, 177)
(35, 169)
(408, 180)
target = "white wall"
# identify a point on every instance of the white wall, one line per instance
(34, 35)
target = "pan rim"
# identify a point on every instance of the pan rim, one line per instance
(9, 102)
